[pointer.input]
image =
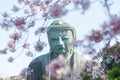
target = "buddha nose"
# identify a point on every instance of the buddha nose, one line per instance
(60, 42)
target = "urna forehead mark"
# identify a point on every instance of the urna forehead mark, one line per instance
(58, 33)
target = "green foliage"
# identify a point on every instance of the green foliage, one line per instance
(112, 63)
(114, 74)
(97, 78)
(84, 75)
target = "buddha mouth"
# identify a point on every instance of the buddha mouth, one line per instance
(61, 48)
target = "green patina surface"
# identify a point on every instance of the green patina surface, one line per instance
(60, 36)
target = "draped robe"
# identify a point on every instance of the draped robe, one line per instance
(38, 65)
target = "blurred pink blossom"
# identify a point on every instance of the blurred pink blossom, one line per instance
(20, 23)
(48, 1)
(5, 25)
(10, 59)
(26, 11)
(115, 20)
(31, 24)
(25, 72)
(92, 51)
(26, 2)
(39, 46)
(96, 36)
(11, 46)
(29, 53)
(20, 1)
(45, 13)
(57, 11)
(56, 64)
(95, 57)
(26, 46)
(40, 30)
(85, 4)
(76, 2)
(89, 66)
(65, 2)
(4, 51)
(116, 30)
(104, 26)
(15, 8)
(5, 14)
(35, 9)
(15, 36)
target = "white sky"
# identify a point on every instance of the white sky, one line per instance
(92, 19)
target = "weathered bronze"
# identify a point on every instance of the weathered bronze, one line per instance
(60, 36)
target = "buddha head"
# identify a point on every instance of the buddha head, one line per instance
(61, 36)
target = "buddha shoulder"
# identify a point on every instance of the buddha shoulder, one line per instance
(41, 58)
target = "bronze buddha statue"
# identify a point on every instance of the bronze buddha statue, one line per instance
(60, 36)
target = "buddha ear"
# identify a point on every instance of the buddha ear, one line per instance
(74, 39)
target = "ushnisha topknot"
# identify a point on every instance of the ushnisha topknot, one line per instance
(61, 25)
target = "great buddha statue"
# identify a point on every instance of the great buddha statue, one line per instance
(60, 36)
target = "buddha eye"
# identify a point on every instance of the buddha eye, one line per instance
(65, 38)
(54, 39)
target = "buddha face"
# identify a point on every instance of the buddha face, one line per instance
(60, 41)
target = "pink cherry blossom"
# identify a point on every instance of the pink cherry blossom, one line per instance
(115, 20)
(40, 30)
(53, 66)
(104, 26)
(25, 72)
(45, 13)
(95, 57)
(31, 24)
(56, 64)
(57, 10)
(5, 25)
(4, 51)
(5, 14)
(61, 60)
(116, 30)
(39, 46)
(15, 36)
(92, 51)
(26, 46)
(65, 2)
(96, 36)
(26, 11)
(10, 59)
(12, 46)
(26, 2)
(85, 4)
(20, 23)
(48, 1)
(15, 8)
(29, 53)
(35, 9)
(20, 1)
(76, 2)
